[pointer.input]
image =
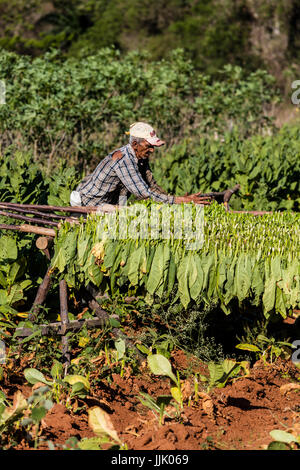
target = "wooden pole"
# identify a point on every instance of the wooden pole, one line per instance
(47, 232)
(105, 208)
(63, 298)
(29, 219)
(223, 196)
(20, 209)
(251, 212)
(78, 209)
(40, 296)
(104, 318)
(56, 327)
(44, 244)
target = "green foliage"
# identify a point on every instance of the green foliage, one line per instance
(13, 278)
(57, 385)
(80, 109)
(23, 182)
(221, 373)
(211, 39)
(266, 167)
(160, 365)
(21, 179)
(268, 349)
(213, 32)
(12, 416)
(157, 405)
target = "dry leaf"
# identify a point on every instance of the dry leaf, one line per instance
(284, 389)
(19, 405)
(186, 389)
(295, 430)
(80, 315)
(37, 385)
(131, 429)
(207, 404)
(101, 423)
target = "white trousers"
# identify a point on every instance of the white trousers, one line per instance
(75, 199)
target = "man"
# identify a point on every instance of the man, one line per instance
(126, 171)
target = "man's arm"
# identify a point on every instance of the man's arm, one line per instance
(151, 180)
(196, 198)
(129, 174)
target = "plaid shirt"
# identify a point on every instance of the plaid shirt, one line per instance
(115, 179)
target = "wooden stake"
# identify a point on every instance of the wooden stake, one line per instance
(44, 244)
(40, 296)
(63, 298)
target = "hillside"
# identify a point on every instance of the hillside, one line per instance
(250, 33)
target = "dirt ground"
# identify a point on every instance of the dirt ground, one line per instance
(236, 417)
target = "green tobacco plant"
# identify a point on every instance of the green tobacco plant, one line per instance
(36, 407)
(214, 165)
(160, 365)
(79, 384)
(12, 269)
(103, 428)
(161, 344)
(269, 349)
(39, 403)
(105, 437)
(221, 374)
(157, 405)
(283, 440)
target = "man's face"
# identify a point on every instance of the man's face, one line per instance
(143, 149)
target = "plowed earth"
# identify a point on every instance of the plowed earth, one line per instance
(238, 416)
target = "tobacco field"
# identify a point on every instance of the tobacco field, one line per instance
(176, 346)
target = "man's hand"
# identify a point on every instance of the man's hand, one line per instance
(196, 198)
